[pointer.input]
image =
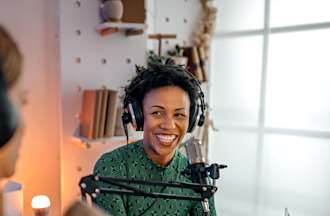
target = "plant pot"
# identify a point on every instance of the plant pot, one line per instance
(180, 60)
(112, 10)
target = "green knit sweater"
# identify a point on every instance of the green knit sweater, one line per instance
(141, 167)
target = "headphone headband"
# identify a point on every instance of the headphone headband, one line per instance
(133, 111)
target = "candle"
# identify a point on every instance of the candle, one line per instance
(40, 205)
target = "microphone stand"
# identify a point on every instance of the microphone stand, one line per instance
(199, 173)
(124, 186)
(197, 170)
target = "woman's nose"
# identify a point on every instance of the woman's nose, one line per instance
(168, 123)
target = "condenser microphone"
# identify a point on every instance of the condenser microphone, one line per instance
(196, 161)
(8, 116)
(197, 167)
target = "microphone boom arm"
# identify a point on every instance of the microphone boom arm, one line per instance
(88, 185)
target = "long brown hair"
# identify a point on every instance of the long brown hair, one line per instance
(10, 57)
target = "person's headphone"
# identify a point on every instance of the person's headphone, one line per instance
(133, 111)
(8, 115)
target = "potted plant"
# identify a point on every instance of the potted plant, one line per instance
(177, 55)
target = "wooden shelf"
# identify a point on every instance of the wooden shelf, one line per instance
(130, 29)
(114, 140)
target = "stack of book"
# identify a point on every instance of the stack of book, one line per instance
(196, 62)
(98, 113)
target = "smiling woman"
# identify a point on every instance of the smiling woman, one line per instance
(166, 112)
(161, 100)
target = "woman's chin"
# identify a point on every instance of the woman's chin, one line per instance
(165, 150)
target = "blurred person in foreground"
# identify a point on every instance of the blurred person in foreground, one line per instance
(12, 99)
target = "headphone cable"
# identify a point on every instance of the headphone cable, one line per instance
(127, 155)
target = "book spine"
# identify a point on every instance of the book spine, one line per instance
(111, 113)
(97, 113)
(103, 113)
(87, 116)
(202, 62)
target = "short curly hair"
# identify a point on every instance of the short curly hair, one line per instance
(161, 75)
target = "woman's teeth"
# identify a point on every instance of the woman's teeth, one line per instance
(166, 138)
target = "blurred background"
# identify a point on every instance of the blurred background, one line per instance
(270, 101)
(267, 90)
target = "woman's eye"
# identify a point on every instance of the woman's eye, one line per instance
(156, 113)
(180, 115)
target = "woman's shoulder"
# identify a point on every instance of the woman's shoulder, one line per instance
(117, 156)
(113, 162)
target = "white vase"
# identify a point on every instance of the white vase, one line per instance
(112, 10)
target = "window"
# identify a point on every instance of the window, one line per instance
(269, 98)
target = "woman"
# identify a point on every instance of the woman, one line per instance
(162, 101)
(12, 99)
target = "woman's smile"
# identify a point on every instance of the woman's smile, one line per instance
(166, 139)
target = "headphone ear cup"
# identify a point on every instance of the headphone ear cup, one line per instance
(192, 118)
(136, 115)
(126, 117)
(201, 120)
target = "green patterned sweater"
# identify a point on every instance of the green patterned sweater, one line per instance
(141, 167)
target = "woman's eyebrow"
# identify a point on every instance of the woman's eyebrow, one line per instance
(161, 107)
(157, 106)
(179, 109)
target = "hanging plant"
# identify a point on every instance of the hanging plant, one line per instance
(205, 30)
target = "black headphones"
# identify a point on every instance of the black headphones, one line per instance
(8, 116)
(133, 111)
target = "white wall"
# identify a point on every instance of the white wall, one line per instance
(77, 160)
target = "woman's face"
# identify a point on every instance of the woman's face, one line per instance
(9, 152)
(166, 119)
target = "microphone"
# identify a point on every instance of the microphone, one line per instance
(8, 115)
(197, 168)
(196, 161)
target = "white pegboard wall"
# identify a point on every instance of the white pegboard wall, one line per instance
(88, 60)
(179, 17)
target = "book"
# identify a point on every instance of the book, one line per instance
(103, 112)
(111, 113)
(193, 64)
(119, 130)
(196, 64)
(88, 112)
(202, 59)
(97, 113)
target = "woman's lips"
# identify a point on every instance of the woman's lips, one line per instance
(166, 139)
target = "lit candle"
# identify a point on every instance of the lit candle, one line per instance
(40, 205)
